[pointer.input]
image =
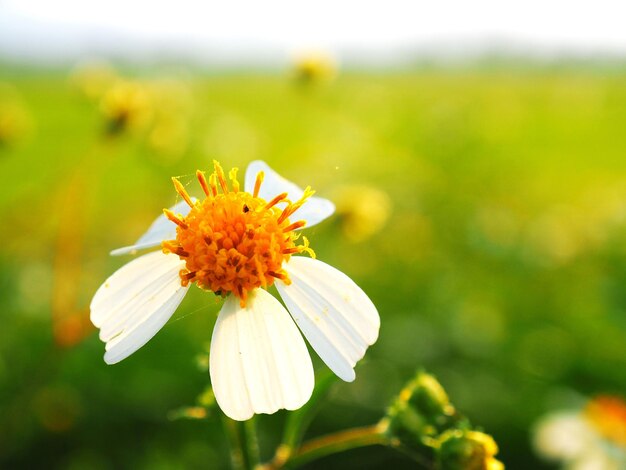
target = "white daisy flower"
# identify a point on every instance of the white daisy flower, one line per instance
(236, 244)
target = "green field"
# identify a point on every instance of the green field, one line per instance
(500, 268)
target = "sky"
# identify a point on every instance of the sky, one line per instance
(265, 30)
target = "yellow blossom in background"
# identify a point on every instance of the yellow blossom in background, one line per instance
(362, 210)
(314, 67)
(593, 437)
(169, 134)
(161, 109)
(15, 121)
(188, 412)
(230, 134)
(126, 106)
(57, 407)
(93, 79)
(608, 416)
(169, 138)
(563, 232)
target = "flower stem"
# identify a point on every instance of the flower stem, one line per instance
(243, 443)
(298, 420)
(327, 445)
(251, 443)
(234, 443)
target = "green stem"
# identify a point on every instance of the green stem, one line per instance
(235, 444)
(297, 421)
(251, 443)
(243, 443)
(338, 442)
(327, 445)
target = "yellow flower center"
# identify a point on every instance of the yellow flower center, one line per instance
(234, 241)
(608, 415)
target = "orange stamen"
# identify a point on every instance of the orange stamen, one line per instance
(291, 208)
(257, 184)
(213, 184)
(174, 218)
(276, 200)
(294, 226)
(180, 252)
(169, 247)
(180, 189)
(186, 277)
(280, 276)
(234, 241)
(220, 176)
(203, 182)
(232, 175)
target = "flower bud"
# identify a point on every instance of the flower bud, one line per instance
(467, 450)
(420, 412)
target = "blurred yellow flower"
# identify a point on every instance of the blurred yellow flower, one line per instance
(608, 415)
(188, 412)
(15, 120)
(362, 210)
(125, 106)
(13, 123)
(58, 407)
(563, 232)
(161, 109)
(587, 439)
(93, 79)
(169, 137)
(314, 67)
(169, 132)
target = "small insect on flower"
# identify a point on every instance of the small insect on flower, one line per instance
(237, 244)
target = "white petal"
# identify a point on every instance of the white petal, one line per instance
(161, 229)
(334, 314)
(259, 362)
(563, 436)
(312, 211)
(135, 302)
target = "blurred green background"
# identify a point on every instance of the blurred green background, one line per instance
(496, 255)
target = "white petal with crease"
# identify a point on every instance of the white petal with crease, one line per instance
(161, 229)
(334, 314)
(135, 302)
(259, 362)
(313, 211)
